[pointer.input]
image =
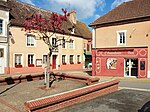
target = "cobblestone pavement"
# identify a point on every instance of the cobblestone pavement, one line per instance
(12, 97)
(121, 101)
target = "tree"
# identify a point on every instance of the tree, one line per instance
(45, 28)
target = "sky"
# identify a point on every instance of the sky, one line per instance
(87, 10)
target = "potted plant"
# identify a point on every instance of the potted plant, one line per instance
(79, 62)
(64, 63)
(30, 65)
(71, 62)
(18, 66)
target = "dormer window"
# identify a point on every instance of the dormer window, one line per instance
(73, 30)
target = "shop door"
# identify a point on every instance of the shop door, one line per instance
(131, 67)
(54, 62)
(2, 61)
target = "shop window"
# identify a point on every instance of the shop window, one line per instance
(111, 63)
(142, 65)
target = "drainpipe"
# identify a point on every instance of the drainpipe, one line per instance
(94, 46)
(8, 53)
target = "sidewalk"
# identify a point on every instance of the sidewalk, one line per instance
(85, 72)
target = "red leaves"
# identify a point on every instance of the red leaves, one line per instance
(53, 23)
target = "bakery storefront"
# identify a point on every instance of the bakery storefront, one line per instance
(120, 62)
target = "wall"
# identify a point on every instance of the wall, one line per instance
(106, 37)
(3, 38)
(118, 55)
(18, 45)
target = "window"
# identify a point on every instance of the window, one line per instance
(71, 44)
(73, 31)
(30, 60)
(1, 53)
(45, 59)
(1, 26)
(30, 40)
(63, 59)
(18, 60)
(121, 37)
(53, 42)
(78, 58)
(84, 46)
(71, 59)
(63, 43)
(88, 47)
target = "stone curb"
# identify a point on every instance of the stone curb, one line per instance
(58, 101)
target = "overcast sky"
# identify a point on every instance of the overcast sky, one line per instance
(87, 10)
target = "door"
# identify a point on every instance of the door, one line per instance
(131, 67)
(2, 62)
(54, 62)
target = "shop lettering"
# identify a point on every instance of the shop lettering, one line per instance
(130, 52)
(108, 53)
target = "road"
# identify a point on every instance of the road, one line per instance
(120, 101)
(135, 84)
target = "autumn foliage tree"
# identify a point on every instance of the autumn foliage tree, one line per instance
(45, 28)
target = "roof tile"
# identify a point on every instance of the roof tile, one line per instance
(21, 11)
(134, 9)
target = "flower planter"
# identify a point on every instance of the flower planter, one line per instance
(64, 63)
(79, 62)
(71, 62)
(30, 65)
(18, 66)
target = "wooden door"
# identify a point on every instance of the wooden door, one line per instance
(54, 62)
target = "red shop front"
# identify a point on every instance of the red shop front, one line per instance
(120, 62)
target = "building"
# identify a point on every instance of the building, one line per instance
(4, 22)
(29, 53)
(121, 41)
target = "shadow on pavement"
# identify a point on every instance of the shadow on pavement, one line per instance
(89, 72)
(145, 107)
(9, 88)
(9, 80)
(29, 78)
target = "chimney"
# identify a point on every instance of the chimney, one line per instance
(72, 16)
